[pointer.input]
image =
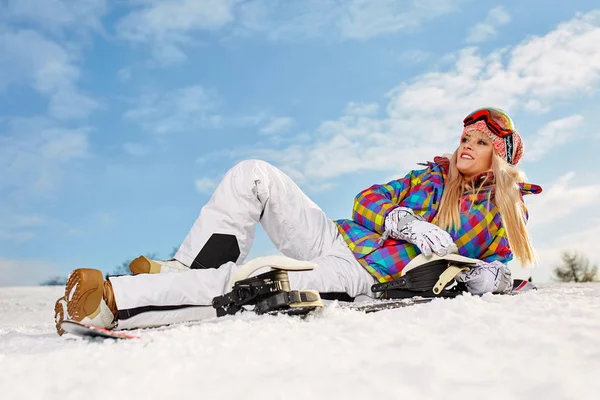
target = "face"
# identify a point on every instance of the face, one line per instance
(474, 155)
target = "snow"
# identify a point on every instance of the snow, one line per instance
(538, 345)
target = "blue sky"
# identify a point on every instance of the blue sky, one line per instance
(118, 118)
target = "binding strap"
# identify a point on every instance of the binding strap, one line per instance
(447, 276)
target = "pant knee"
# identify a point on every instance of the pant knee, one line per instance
(253, 165)
(256, 174)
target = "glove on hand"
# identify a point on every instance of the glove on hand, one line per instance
(428, 238)
(493, 277)
(402, 223)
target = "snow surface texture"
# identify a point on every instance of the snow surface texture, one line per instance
(538, 345)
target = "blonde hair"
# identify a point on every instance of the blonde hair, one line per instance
(507, 198)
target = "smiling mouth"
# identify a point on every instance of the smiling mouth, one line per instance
(466, 157)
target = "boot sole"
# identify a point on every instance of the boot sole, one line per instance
(83, 292)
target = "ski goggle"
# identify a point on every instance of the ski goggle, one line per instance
(498, 122)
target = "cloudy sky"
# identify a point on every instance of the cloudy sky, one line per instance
(118, 118)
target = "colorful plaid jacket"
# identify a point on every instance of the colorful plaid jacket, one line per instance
(480, 236)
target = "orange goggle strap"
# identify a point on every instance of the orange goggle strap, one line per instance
(495, 127)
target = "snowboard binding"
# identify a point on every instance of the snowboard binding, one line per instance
(268, 292)
(422, 277)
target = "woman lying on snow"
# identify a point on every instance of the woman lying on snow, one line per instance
(470, 204)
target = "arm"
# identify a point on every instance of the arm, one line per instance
(372, 205)
(377, 209)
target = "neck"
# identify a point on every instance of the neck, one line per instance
(479, 179)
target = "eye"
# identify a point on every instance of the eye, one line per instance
(482, 142)
(464, 140)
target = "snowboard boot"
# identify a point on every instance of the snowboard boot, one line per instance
(144, 265)
(88, 298)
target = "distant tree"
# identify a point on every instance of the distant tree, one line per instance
(54, 281)
(121, 269)
(575, 268)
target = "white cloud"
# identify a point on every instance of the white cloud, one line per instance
(16, 236)
(561, 64)
(169, 25)
(136, 149)
(285, 21)
(23, 220)
(15, 272)
(363, 19)
(414, 57)
(487, 29)
(182, 109)
(69, 103)
(75, 232)
(552, 135)
(34, 153)
(560, 199)
(362, 109)
(205, 185)
(35, 156)
(104, 218)
(124, 74)
(277, 125)
(56, 15)
(32, 59)
(353, 19)
(556, 224)
(64, 145)
(423, 117)
(50, 66)
(18, 227)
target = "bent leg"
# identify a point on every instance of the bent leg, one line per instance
(162, 299)
(251, 192)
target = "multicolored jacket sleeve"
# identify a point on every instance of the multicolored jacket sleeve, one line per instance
(372, 205)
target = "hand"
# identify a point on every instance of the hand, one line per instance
(493, 277)
(429, 238)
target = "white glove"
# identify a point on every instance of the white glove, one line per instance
(402, 223)
(493, 277)
(428, 238)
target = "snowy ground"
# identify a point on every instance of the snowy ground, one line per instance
(541, 345)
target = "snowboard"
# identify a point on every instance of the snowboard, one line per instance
(93, 332)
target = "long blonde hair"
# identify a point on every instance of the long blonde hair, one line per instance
(507, 198)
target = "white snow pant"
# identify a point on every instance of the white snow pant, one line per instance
(220, 239)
